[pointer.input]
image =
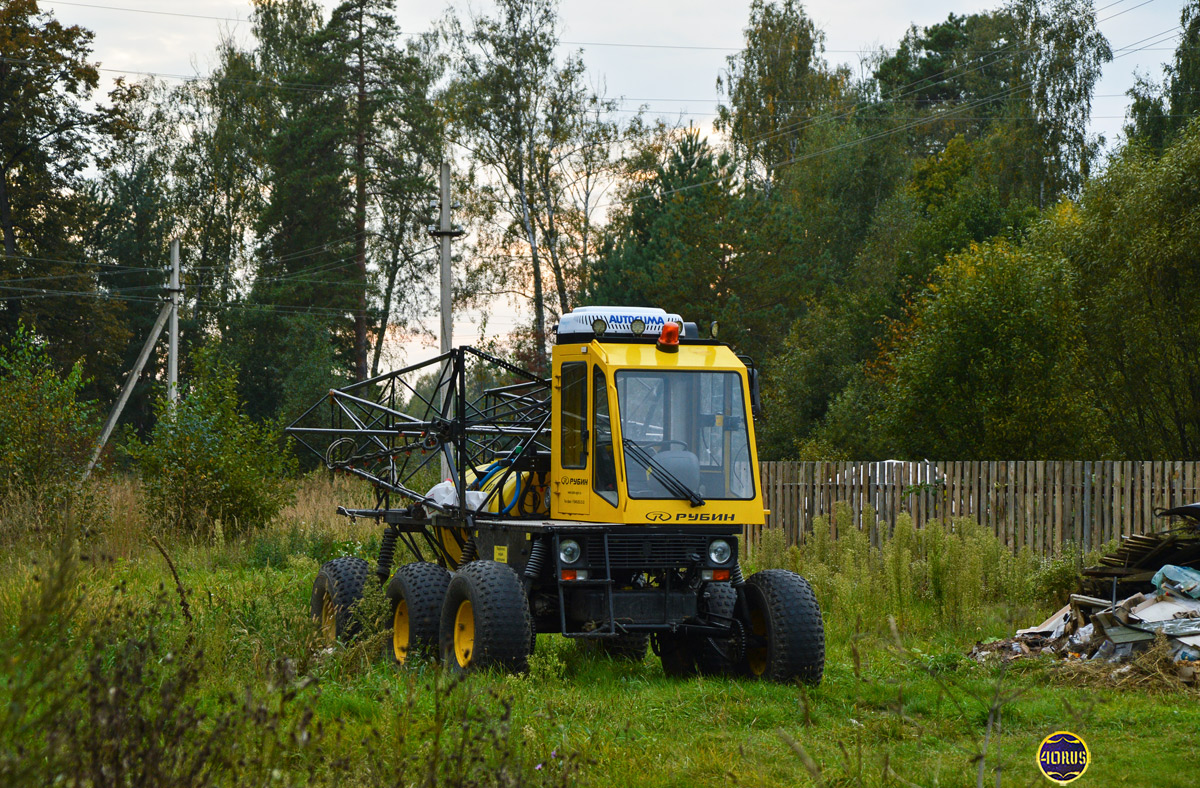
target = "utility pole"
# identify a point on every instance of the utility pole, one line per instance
(445, 232)
(173, 346)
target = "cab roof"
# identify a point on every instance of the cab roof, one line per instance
(621, 353)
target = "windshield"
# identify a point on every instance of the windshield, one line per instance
(692, 426)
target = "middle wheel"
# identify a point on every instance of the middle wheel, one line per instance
(416, 592)
(485, 619)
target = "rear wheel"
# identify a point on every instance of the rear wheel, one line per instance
(677, 654)
(416, 592)
(627, 648)
(786, 638)
(485, 620)
(338, 586)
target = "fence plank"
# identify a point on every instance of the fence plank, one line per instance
(1192, 483)
(1043, 543)
(1059, 467)
(1147, 496)
(977, 473)
(1027, 528)
(1123, 525)
(790, 500)
(956, 509)
(1102, 508)
(988, 492)
(854, 492)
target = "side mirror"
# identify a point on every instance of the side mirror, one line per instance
(755, 395)
(752, 379)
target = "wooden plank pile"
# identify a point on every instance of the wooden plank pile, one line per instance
(1147, 588)
(1130, 567)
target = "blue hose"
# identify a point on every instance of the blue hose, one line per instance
(495, 466)
(516, 497)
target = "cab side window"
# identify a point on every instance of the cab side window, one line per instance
(574, 415)
(605, 479)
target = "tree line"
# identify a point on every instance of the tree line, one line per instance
(928, 256)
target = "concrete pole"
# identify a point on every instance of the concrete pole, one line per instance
(444, 235)
(130, 381)
(173, 348)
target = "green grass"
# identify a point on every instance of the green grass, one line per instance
(279, 707)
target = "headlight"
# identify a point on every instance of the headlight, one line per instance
(719, 551)
(568, 551)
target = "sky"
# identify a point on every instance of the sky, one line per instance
(664, 54)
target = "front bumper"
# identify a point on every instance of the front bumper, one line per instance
(640, 579)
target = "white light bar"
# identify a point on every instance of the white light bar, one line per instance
(617, 319)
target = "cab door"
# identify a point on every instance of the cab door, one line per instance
(571, 485)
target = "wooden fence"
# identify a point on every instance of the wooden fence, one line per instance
(1039, 504)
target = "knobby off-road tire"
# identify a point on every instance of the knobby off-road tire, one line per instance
(485, 619)
(677, 653)
(713, 654)
(416, 592)
(783, 611)
(626, 648)
(339, 585)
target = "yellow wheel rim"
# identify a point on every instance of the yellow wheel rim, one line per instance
(757, 657)
(400, 636)
(328, 620)
(464, 633)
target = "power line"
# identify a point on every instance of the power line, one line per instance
(295, 276)
(1170, 33)
(212, 305)
(318, 88)
(906, 127)
(143, 11)
(79, 275)
(924, 83)
(298, 87)
(714, 97)
(917, 86)
(613, 44)
(100, 268)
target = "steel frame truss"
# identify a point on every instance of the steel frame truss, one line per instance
(369, 434)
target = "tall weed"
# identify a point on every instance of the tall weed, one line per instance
(941, 576)
(119, 674)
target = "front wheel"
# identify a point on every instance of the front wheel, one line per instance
(786, 637)
(485, 619)
(714, 656)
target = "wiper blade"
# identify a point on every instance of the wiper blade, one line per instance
(668, 479)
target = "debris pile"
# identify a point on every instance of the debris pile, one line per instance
(1146, 588)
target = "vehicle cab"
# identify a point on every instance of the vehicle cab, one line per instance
(651, 424)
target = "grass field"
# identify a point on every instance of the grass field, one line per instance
(114, 675)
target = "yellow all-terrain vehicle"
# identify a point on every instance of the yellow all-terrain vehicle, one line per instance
(606, 503)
